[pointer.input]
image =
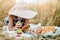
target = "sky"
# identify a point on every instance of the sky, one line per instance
(32, 1)
(36, 1)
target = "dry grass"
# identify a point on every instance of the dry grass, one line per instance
(47, 13)
(5, 6)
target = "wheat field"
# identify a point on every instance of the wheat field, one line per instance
(48, 14)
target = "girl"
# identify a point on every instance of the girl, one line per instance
(20, 12)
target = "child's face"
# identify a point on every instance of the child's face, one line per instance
(19, 27)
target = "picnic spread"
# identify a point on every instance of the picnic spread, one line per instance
(32, 34)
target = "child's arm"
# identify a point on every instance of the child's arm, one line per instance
(11, 23)
(26, 24)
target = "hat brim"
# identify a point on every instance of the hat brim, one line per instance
(23, 13)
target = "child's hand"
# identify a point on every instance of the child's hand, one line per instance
(15, 27)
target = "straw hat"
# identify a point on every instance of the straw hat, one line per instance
(21, 10)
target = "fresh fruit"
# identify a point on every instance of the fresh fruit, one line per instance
(19, 30)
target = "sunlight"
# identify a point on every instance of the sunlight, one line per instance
(37, 1)
(33, 1)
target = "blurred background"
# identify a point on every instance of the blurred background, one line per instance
(48, 11)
